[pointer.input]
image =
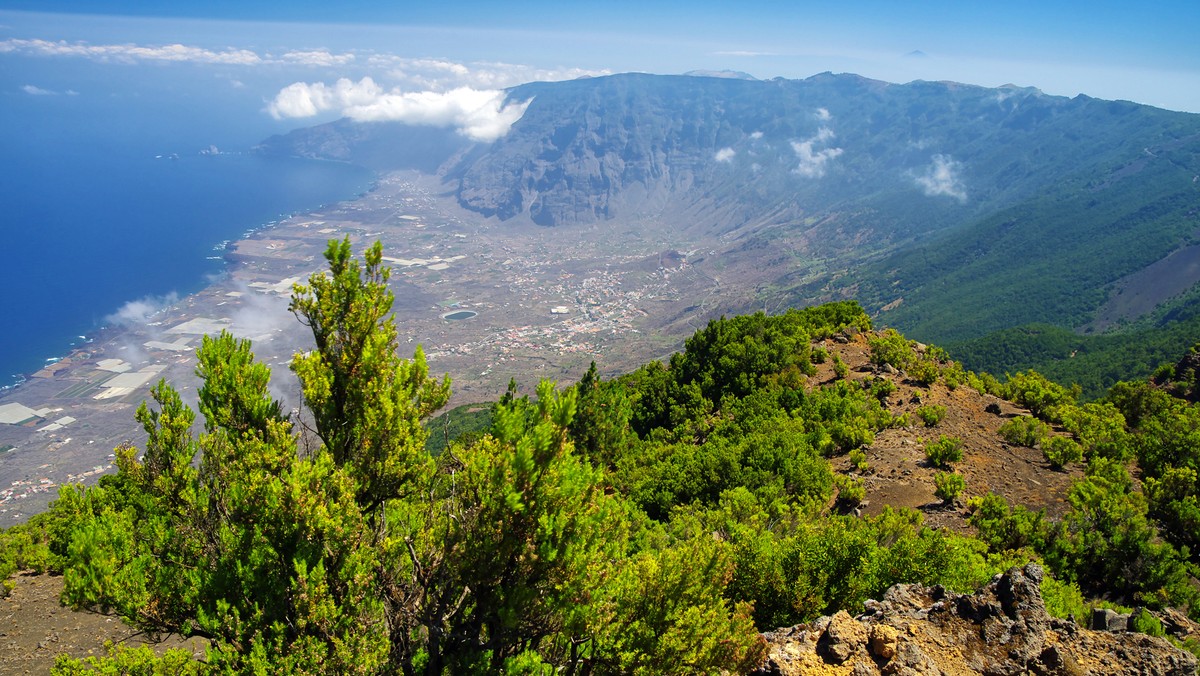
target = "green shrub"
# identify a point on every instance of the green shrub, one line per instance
(880, 388)
(839, 367)
(859, 460)
(1064, 599)
(944, 451)
(1145, 623)
(1024, 431)
(931, 414)
(949, 485)
(985, 383)
(851, 491)
(954, 375)
(1040, 395)
(891, 348)
(924, 371)
(1061, 451)
(819, 355)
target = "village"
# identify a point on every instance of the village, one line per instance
(488, 302)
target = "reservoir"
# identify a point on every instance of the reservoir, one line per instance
(461, 314)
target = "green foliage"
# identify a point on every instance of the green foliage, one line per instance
(27, 547)
(945, 450)
(1106, 542)
(666, 614)
(1041, 396)
(121, 660)
(365, 554)
(924, 371)
(1064, 599)
(366, 402)
(1006, 528)
(462, 424)
(649, 524)
(859, 459)
(1061, 451)
(1024, 430)
(949, 485)
(931, 414)
(880, 388)
(1099, 427)
(892, 349)
(821, 566)
(850, 490)
(601, 427)
(1145, 623)
(840, 369)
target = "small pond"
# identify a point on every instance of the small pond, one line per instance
(461, 314)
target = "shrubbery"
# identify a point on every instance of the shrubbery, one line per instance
(931, 414)
(1024, 431)
(1061, 451)
(945, 450)
(949, 485)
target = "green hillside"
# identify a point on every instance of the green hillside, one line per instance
(653, 523)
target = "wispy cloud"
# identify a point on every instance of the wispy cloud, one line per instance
(37, 91)
(140, 312)
(941, 178)
(130, 53)
(823, 114)
(479, 114)
(812, 160)
(320, 57)
(442, 75)
(756, 135)
(725, 155)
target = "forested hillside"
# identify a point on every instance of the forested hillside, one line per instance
(654, 523)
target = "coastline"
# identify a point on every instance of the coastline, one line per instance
(545, 303)
(44, 413)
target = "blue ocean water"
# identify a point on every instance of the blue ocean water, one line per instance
(108, 200)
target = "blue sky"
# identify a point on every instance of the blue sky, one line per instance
(1141, 52)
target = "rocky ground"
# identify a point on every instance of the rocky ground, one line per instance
(35, 629)
(1001, 629)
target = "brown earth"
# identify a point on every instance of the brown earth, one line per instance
(35, 628)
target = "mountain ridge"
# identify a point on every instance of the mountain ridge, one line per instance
(950, 210)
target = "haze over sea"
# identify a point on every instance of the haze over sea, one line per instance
(98, 212)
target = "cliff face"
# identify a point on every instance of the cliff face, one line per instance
(1001, 629)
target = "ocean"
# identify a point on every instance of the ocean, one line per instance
(104, 201)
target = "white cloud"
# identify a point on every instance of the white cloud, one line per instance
(130, 53)
(443, 75)
(301, 99)
(812, 162)
(36, 91)
(756, 135)
(725, 155)
(140, 312)
(479, 114)
(823, 115)
(320, 57)
(942, 178)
